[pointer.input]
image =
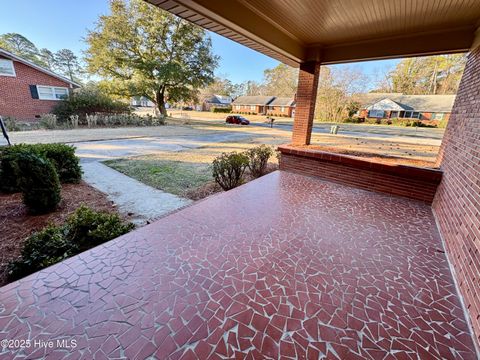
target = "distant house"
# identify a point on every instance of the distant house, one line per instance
(28, 90)
(252, 104)
(397, 105)
(281, 106)
(141, 101)
(214, 101)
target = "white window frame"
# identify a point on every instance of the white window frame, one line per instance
(438, 116)
(53, 89)
(12, 66)
(238, 107)
(282, 109)
(253, 107)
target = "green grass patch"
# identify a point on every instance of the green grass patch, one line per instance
(175, 177)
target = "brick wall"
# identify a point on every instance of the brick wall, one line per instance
(277, 110)
(457, 203)
(305, 98)
(407, 181)
(16, 100)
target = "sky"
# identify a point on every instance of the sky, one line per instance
(58, 24)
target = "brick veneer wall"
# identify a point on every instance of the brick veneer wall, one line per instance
(411, 182)
(457, 203)
(16, 100)
(306, 98)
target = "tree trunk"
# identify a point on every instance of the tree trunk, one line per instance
(160, 98)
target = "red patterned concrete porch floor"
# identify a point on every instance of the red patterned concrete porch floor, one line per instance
(283, 267)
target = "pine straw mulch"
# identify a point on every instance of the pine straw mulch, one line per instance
(16, 224)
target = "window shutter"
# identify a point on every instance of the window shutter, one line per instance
(34, 91)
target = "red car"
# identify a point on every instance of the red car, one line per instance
(236, 119)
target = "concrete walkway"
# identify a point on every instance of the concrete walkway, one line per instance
(141, 201)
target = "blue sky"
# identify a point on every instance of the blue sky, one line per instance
(57, 24)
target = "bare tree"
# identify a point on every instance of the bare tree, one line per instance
(336, 88)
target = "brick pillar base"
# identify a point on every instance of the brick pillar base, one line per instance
(305, 102)
(457, 202)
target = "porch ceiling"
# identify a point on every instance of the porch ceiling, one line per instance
(335, 31)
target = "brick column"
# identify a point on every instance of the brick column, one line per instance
(457, 202)
(305, 102)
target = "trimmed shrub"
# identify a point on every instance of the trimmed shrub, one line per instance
(258, 160)
(83, 229)
(8, 175)
(41, 250)
(62, 157)
(87, 228)
(228, 169)
(222, 110)
(39, 183)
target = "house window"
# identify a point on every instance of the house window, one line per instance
(376, 113)
(408, 114)
(252, 107)
(238, 107)
(438, 116)
(416, 115)
(282, 109)
(6, 67)
(52, 92)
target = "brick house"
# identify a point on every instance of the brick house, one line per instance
(214, 101)
(397, 105)
(281, 106)
(28, 90)
(252, 104)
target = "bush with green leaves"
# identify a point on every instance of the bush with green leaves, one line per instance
(62, 157)
(82, 230)
(39, 183)
(8, 176)
(258, 159)
(42, 249)
(88, 100)
(228, 169)
(87, 228)
(227, 109)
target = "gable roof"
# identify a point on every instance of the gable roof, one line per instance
(282, 101)
(219, 99)
(430, 103)
(253, 100)
(9, 55)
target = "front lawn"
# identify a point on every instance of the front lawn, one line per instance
(181, 178)
(185, 173)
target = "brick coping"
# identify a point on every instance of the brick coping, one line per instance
(431, 175)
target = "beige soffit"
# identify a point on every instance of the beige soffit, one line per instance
(337, 31)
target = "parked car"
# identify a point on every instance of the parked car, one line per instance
(236, 119)
(187, 108)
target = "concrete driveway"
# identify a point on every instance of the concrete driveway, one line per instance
(120, 148)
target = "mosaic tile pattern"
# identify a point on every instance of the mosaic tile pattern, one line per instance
(286, 267)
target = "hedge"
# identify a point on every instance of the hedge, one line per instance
(61, 156)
